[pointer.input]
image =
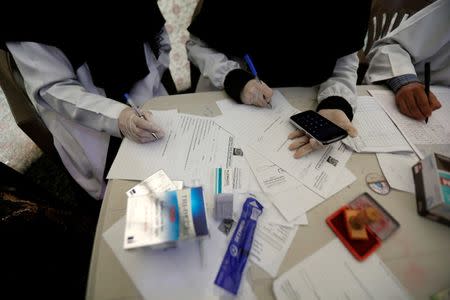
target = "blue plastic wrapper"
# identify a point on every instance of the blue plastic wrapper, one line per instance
(233, 264)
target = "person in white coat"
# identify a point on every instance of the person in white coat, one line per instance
(287, 49)
(77, 82)
(399, 58)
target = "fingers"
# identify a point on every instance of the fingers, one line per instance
(298, 142)
(435, 104)
(422, 103)
(307, 148)
(302, 144)
(296, 134)
(255, 93)
(267, 92)
(401, 104)
(412, 101)
(139, 129)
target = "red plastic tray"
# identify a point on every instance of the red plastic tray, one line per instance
(360, 249)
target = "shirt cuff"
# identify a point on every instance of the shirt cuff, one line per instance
(235, 81)
(336, 102)
(396, 83)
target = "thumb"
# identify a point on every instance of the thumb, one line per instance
(351, 130)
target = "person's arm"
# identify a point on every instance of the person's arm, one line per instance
(405, 50)
(212, 64)
(399, 58)
(339, 91)
(227, 74)
(51, 81)
(337, 101)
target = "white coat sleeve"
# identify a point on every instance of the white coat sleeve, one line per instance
(212, 64)
(417, 39)
(51, 81)
(342, 83)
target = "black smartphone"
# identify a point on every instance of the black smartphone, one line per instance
(318, 127)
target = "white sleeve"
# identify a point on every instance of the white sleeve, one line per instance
(415, 40)
(343, 81)
(51, 81)
(211, 63)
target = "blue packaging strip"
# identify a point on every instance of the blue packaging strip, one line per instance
(233, 264)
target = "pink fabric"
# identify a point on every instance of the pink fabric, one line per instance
(178, 15)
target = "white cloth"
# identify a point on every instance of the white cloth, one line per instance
(424, 37)
(77, 112)
(215, 66)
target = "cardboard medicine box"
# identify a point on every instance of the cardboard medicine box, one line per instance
(432, 184)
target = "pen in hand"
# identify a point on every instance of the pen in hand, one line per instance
(427, 84)
(138, 112)
(249, 62)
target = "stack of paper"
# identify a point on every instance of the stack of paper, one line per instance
(266, 131)
(376, 131)
(425, 138)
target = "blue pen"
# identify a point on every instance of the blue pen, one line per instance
(249, 62)
(138, 112)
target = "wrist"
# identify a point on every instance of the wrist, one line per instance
(398, 82)
(235, 81)
(336, 102)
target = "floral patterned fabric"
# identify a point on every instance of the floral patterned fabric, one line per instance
(178, 15)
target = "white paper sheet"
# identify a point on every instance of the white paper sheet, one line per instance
(270, 177)
(191, 144)
(333, 273)
(427, 138)
(174, 273)
(266, 131)
(397, 170)
(289, 195)
(270, 245)
(271, 214)
(376, 131)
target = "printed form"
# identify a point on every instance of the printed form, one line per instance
(425, 138)
(191, 150)
(289, 195)
(333, 273)
(266, 131)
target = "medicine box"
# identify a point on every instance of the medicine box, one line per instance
(432, 185)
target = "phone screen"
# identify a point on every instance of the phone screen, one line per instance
(318, 127)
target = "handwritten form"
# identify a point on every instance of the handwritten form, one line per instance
(333, 273)
(427, 138)
(266, 132)
(376, 131)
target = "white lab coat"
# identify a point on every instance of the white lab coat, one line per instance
(77, 112)
(424, 37)
(215, 66)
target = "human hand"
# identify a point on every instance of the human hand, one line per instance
(140, 130)
(412, 101)
(303, 144)
(256, 93)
